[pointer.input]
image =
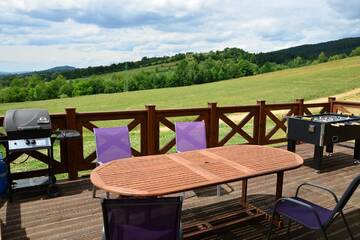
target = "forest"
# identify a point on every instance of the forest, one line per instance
(188, 69)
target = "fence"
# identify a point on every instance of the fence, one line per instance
(256, 124)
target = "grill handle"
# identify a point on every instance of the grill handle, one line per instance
(29, 128)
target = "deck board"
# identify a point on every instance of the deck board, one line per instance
(76, 215)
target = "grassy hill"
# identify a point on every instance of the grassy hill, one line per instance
(282, 86)
(308, 82)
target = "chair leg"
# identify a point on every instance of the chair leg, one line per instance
(181, 231)
(347, 225)
(324, 233)
(94, 191)
(218, 190)
(271, 226)
(288, 228)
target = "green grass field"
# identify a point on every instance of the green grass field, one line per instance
(309, 82)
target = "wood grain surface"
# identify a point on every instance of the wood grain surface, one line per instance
(158, 175)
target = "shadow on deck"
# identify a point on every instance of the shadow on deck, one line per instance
(76, 215)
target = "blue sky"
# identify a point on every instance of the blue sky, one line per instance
(38, 34)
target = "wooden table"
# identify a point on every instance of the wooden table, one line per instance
(157, 175)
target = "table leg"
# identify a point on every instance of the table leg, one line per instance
(291, 146)
(244, 192)
(357, 149)
(278, 194)
(318, 155)
(279, 185)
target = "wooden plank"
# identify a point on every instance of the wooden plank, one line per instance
(153, 130)
(279, 124)
(88, 125)
(236, 128)
(167, 146)
(114, 115)
(238, 109)
(262, 123)
(213, 129)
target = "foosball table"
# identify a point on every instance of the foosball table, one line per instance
(324, 130)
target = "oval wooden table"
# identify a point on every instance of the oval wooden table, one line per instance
(157, 175)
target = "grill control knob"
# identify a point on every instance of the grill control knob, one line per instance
(33, 142)
(27, 142)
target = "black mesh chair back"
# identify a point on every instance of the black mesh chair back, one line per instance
(142, 219)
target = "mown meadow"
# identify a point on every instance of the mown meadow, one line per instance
(308, 82)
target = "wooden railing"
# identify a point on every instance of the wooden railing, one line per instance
(254, 124)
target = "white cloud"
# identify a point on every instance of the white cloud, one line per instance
(36, 34)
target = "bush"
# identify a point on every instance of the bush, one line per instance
(355, 52)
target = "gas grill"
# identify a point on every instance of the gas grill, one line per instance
(29, 130)
(324, 130)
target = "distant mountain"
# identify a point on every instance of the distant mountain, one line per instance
(59, 69)
(310, 51)
(11, 73)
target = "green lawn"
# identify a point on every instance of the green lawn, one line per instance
(308, 82)
(283, 86)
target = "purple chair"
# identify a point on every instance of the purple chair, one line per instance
(142, 219)
(312, 215)
(111, 143)
(191, 136)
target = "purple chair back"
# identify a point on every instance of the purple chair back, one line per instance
(190, 136)
(142, 219)
(112, 143)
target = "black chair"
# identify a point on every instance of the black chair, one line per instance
(142, 219)
(312, 215)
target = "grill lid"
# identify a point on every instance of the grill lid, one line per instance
(27, 123)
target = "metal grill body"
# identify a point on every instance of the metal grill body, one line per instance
(29, 130)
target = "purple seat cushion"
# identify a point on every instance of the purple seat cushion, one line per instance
(303, 215)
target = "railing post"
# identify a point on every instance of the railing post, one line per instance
(74, 147)
(143, 135)
(300, 101)
(331, 101)
(213, 131)
(152, 131)
(262, 122)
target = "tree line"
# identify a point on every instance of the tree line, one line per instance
(306, 52)
(310, 51)
(192, 69)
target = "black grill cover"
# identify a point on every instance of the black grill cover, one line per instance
(27, 123)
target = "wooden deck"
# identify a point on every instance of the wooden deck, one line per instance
(76, 215)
